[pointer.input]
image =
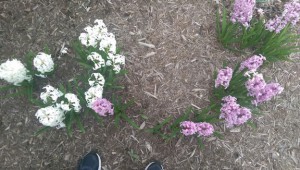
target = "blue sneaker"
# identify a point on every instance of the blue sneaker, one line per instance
(91, 161)
(154, 166)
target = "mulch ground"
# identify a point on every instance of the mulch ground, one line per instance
(165, 78)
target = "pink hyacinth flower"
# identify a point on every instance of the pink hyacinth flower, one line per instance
(188, 128)
(255, 85)
(204, 129)
(103, 107)
(233, 113)
(243, 115)
(223, 78)
(290, 15)
(253, 63)
(267, 93)
(243, 12)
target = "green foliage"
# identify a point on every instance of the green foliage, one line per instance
(237, 38)
(120, 109)
(172, 130)
(25, 89)
(42, 130)
(226, 30)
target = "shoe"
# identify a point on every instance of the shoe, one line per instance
(91, 161)
(154, 166)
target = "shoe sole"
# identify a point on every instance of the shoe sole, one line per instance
(99, 168)
(162, 168)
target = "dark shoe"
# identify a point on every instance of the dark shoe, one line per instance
(91, 161)
(154, 166)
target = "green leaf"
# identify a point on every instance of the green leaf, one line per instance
(156, 129)
(117, 119)
(42, 130)
(218, 135)
(85, 65)
(200, 143)
(97, 117)
(62, 88)
(4, 88)
(80, 125)
(253, 125)
(125, 117)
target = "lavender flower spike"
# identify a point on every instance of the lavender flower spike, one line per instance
(188, 128)
(253, 63)
(224, 77)
(242, 12)
(103, 107)
(233, 113)
(204, 129)
(290, 15)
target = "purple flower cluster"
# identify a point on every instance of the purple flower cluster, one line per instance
(260, 90)
(233, 113)
(255, 84)
(242, 12)
(204, 129)
(189, 128)
(253, 63)
(224, 77)
(290, 14)
(103, 107)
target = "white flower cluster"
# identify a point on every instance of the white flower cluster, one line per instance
(97, 59)
(54, 115)
(14, 72)
(43, 63)
(98, 36)
(108, 42)
(93, 35)
(117, 60)
(96, 81)
(114, 60)
(93, 93)
(50, 95)
(71, 102)
(51, 116)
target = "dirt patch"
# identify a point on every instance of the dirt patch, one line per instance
(164, 80)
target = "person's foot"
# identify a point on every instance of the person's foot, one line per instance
(91, 161)
(154, 166)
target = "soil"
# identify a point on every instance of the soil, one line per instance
(164, 79)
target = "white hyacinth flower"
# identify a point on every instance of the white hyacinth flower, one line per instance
(14, 72)
(72, 103)
(88, 40)
(100, 25)
(43, 63)
(93, 34)
(64, 50)
(51, 116)
(93, 94)
(117, 60)
(108, 42)
(96, 79)
(117, 68)
(97, 59)
(50, 95)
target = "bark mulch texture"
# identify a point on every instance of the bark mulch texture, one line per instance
(171, 51)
